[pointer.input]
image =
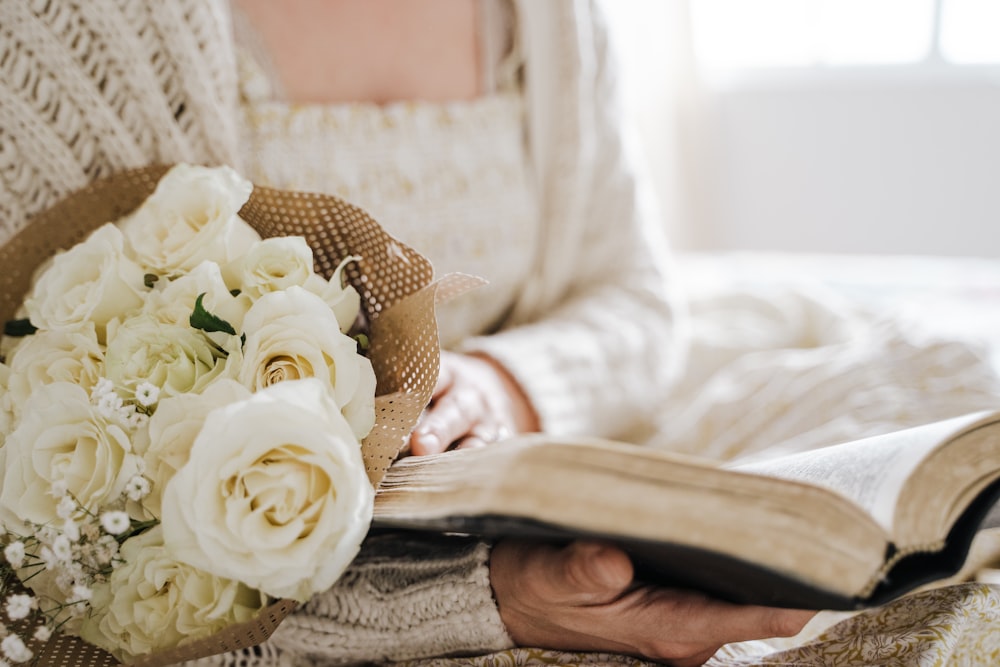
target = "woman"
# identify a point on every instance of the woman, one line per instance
(486, 134)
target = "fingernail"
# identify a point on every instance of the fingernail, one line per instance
(429, 443)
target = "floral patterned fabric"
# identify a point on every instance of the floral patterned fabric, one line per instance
(953, 625)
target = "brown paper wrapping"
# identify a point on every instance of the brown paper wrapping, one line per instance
(397, 295)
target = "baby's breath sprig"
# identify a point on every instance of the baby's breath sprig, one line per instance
(147, 394)
(75, 555)
(16, 609)
(133, 414)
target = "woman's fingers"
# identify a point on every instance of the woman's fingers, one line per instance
(746, 622)
(450, 418)
(581, 573)
(472, 407)
(582, 597)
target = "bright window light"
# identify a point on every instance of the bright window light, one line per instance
(970, 31)
(763, 33)
(790, 33)
(875, 32)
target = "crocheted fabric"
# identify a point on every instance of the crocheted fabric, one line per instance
(77, 107)
(381, 609)
(450, 179)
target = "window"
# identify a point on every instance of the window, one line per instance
(734, 34)
(970, 31)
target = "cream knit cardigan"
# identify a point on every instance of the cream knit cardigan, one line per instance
(89, 87)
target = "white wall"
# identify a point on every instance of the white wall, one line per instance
(857, 162)
(881, 159)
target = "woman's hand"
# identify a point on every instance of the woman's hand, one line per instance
(476, 402)
(581, 597)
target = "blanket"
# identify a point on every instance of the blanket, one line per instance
(778, 365)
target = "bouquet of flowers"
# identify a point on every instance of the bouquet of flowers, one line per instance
(189, 427)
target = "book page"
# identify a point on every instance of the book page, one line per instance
(871, 471)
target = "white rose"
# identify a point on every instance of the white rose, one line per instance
(62, 438)
(274, 494)
(177, 359)
(341, 297)
(359, 410)
(173, 301)
(191, 217)
(292, 335)
(58, 355)
(272, 265)
(92, 281)
(152, 602)
(6, 405)
(166, 444)
(9, 344)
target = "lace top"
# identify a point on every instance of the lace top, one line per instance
(449, 179)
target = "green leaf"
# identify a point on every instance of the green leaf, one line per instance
(150, 279)
(135, 528)
(206, 321)
(19, 328)
(363, 341)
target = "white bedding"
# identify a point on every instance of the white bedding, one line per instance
(791, 352)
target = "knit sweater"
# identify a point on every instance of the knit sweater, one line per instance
(91, 87)
(596, 335)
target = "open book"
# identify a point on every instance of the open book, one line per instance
(841, 527)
